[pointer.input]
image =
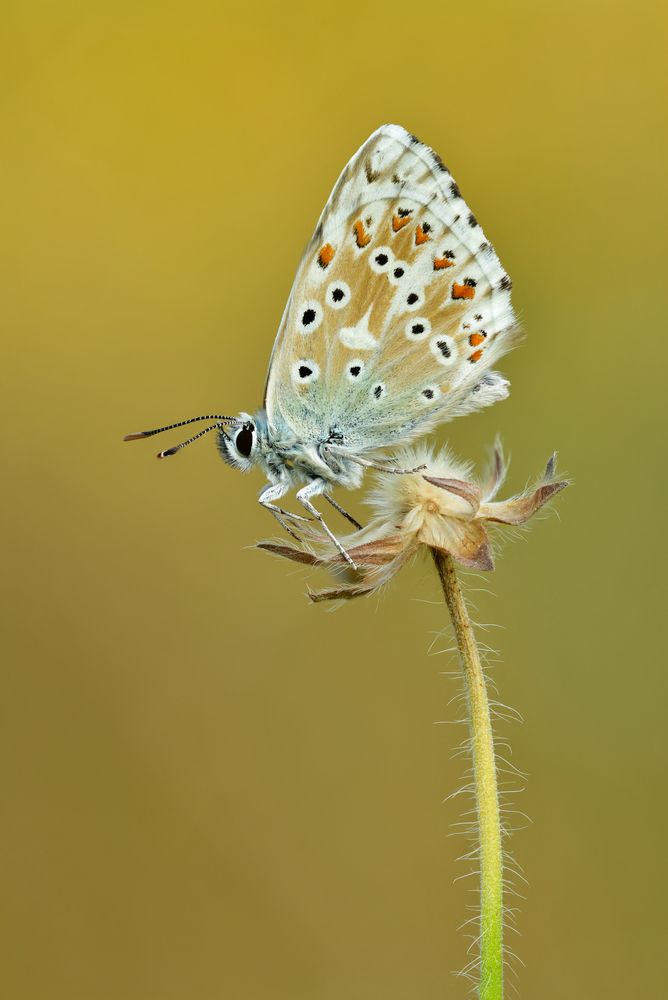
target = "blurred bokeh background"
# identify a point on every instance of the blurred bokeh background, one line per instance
(211, 788)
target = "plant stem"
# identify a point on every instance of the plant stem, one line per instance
(484, 779)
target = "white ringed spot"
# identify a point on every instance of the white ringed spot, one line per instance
(381, 260)
(305, 371)
(338, 295)
(418, 328)
(399, 273)
(354, 370)
(429, 394)
(309, 316)
(444, 349)
(413, 299)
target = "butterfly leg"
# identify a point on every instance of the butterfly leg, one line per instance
(340, 509)
(384, 468)
(312, 489)
(267, 498)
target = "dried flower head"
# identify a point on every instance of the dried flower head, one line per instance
(441, 508)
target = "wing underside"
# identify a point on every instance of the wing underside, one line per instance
(399, 309)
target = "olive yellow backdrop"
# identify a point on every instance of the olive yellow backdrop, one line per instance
(210, 787)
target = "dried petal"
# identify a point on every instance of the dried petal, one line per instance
(375, 553)
(466, 491)
(466, 541)
(497, 473)
(342, 594)
(521, 508)
(290, 552)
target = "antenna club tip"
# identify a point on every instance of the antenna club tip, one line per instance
(167, 453)
(136, 436)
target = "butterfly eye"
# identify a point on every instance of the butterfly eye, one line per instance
(355, 369)
(310, 316)
(305, 371)
(414, 299)
(244, 440)
(338, 295)
(418, 328)
(444, 350)
(381, 260)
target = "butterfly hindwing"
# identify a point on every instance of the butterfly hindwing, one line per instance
(399, 307)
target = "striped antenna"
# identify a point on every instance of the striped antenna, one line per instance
(184, 444)
(181, 423)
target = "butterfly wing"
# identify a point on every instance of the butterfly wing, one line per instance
(399, 308)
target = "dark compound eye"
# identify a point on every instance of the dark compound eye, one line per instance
(244, 440)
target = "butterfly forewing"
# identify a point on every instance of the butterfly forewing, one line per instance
(399, 307)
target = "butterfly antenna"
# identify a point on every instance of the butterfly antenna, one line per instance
(184, 444)
(181, 423)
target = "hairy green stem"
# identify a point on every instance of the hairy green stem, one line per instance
(484, 780)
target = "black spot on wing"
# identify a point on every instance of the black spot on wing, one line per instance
(438, 162)
(371, 174)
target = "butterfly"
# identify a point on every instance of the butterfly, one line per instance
(399, 309)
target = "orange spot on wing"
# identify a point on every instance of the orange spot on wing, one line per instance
(476, 356)
(326, 255)
(476, 339)
(362, 238)
(398, 222)
(462, 291)
(442, 262)
(421, 237)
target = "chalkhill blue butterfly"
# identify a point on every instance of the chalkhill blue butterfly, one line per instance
(399, 309)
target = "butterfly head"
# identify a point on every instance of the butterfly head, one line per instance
(238, 443)
(238, 437)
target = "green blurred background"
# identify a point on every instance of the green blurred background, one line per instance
(210, 787)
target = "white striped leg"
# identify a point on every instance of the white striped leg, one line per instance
(382, 468)
(312, 489)
(341, 510)
(266, 499)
